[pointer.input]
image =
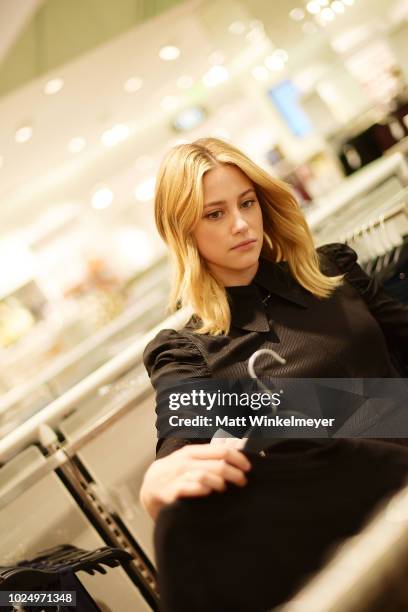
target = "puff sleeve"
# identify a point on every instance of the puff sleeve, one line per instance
(171, 355)
(391, 315)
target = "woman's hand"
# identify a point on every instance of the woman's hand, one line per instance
(231, 442)
(192, 471)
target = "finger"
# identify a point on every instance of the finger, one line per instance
(184, 487)
(217, 451)
(218, 441)
(192, 489)
(222, 469)
(230, 442)
(235, 442)
(214, 481)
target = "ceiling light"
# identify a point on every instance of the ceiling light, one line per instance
(115, 135)
(313, 7)
(216, 58)
(102, 198)
(323, 2)
(24, 133)
(256, 35)
(274, 62)
(133, 84)
(297, 14)
(53, 86)
(169, 53)
(189, 118)
(236, 27)
(185, 81)
(348, 2)
(322, 22)
(256, 24)
(260, 73)
(169, 103)
(327, 14)
(309, 27)
(145, 191)
(281, 54)
(76, 145)
(215, 76)
(346, 41)
(337, 6)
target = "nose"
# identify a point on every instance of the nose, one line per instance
(239, 224)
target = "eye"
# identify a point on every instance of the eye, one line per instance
(215, 214)
(248, 203)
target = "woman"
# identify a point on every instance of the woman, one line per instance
(245, 262)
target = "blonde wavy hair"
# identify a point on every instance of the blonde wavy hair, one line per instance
(179, 203)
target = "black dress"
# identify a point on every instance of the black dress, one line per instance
(249, 549)
(350, 335)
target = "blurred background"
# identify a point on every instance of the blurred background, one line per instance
(92, 94)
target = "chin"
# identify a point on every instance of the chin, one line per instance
(245, 260)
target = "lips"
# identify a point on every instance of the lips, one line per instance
(243, 243)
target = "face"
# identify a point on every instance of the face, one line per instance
(229, 235)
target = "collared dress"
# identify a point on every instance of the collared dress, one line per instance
(352, 334)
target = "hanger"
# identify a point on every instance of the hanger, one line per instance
(257, 443)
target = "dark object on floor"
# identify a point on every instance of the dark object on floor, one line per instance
(54, 570)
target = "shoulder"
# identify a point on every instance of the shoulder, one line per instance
(339, 254)
(173, 353)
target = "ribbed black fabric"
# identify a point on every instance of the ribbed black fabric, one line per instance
(346, 336)
(250, 549)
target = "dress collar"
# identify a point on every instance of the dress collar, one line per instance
(247, 301)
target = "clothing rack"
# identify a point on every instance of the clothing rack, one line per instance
(381, 234)
(63, 456)
(151, 298)
(390, 217)
(385, 217)
(27, 433)
(66, 458)
(387, 175)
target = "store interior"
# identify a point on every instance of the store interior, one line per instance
(92, 95)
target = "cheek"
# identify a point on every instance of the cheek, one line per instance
(208, 238)
(259, 219)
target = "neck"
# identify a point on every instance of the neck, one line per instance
(234, 278)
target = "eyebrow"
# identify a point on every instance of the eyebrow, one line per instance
(251, 189)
